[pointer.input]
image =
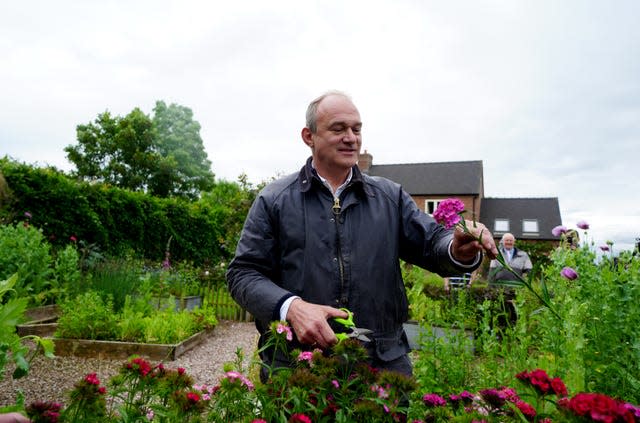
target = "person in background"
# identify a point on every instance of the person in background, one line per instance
(331, 237)
(518, 260)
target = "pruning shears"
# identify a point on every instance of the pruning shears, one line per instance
(354, 332)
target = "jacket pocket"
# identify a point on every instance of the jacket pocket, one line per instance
(389, 348)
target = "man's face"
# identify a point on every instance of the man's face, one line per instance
(336, 144)
(508, 242)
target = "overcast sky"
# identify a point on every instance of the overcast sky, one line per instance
(545, 92)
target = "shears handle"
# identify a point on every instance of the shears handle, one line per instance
(348, 322)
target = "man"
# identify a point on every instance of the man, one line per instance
(331, 237)
(517, 259)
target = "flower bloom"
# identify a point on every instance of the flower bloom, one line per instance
(72, 238)
(141, 365)
(558, 230)
(527, 410)
(92, 379)
(27, 215)
(597, 407)
(604, 248)
(305, 356)
(181, 370)
(150, 415)
(258, 421)
(434, 400)
(569, 273)
(299, 418)
(448, 212)
(335, 384)
(233, 376)
(558, 387)
(193, 397)
(582, 225)
(282, 328)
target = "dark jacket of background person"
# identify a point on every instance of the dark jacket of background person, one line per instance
(294, 243)
(520, 262)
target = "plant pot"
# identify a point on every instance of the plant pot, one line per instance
(414, 331)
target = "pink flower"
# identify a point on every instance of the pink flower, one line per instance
(569, 273)
(582, 225)
(448, 212)
(305, 356)
(558, 230)
(434, 400)
(27, 215)
(92, 379)
(72, 238)
(282, 328)
(604, 248)
(335, 384)
(258, 421)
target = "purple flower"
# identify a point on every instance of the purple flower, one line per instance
(558, 230)
(582, 225)
(604, 247)
(434, 400)
(448, 212)
(27, 215)
(569, 273)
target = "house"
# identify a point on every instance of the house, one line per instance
(430, 183)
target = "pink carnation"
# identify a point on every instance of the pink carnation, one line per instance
(448, 212)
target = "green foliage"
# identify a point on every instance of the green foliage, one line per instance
(24, 251)
(163, 155)
(12, 347)
(116, 150)
(110, 221)
(184, 169)
(87, 316)
(115, 279)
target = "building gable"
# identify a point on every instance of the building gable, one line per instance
(525, 218)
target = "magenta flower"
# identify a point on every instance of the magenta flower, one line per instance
(448, 212)
(558, 230)
(305, 356)
(582, 225)
(27, 215)
(604, 248)
(434, 400)
(569, 273)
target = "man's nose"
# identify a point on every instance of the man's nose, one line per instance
(349, 136)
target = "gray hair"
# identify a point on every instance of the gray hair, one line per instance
(312, 109)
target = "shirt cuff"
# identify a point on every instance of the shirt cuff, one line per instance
(464, 266)
(284, 308)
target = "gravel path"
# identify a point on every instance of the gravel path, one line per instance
(52, 379)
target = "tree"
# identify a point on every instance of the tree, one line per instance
(184, 168)
(116, 150)
(163, 155)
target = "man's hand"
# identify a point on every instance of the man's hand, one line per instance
(309, 322)
(465, 246)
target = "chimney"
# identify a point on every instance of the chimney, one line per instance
(364, 161)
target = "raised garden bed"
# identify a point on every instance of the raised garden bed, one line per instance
(123, 350)
(41, 321)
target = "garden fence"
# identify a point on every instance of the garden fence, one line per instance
(226, 307)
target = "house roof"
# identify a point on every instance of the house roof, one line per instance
(545, 210)
(444, 178)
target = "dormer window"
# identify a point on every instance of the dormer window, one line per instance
(501, 225)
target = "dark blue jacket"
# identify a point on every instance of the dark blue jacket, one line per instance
(296, 241)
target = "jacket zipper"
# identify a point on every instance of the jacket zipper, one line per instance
(336, 211)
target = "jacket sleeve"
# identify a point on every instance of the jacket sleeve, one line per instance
(253, 271)
(425, 242)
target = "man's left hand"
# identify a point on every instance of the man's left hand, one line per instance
(465, 247)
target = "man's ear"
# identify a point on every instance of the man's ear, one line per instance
(307, 137)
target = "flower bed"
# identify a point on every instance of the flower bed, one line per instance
(123, 350)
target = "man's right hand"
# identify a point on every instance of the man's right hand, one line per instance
(310, 323)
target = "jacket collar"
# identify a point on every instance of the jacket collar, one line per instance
(308, 177)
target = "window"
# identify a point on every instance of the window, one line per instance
(430, 206)
(530, 226)
(501, 225)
